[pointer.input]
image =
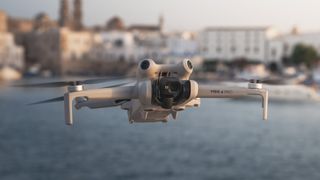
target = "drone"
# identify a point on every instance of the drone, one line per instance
(160, 90)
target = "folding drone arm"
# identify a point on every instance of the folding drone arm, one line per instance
(125, 92)
(209, 91)
(94, 104)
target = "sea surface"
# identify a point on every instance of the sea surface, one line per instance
(223, 139)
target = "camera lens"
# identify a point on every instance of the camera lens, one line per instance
(189, 64)
(174, 86)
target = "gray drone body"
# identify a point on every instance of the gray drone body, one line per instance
(161, 90)
(149, 108)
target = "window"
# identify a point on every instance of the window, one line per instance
(233, 49)
(257, 37)
(247, 35)
(273, 53)
(118, 43)
(256, 50)
(218, 49)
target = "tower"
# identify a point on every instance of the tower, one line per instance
(77, 15)
(64, 19)
(3, 21)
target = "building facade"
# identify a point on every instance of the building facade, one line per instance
(113, 46)
(184, 44)
(283, 46)
(11, 55)
(232, 43)
(54, 48)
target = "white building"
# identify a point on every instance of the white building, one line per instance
(75, 44)
(113, 46)
(231, 43)
(128, 46)
(150, 45)
(53, 48)
(183, 44)
(10, 54)
(283, 46)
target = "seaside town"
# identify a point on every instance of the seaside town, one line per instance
(46, 47)
(233, 91)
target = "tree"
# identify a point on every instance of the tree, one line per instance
(304, 54)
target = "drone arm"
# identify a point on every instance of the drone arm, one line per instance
(93, 104)
(207, 91)
(125, 92)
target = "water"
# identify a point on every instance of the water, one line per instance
(223, 139)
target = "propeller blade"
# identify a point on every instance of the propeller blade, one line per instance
(49, 101)
(48, 84)
(273, 81)
(71, 83)
(264, 80)
(101, 80)
(117, 85)
(121, 101)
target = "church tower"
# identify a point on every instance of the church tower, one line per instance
(77, 15)
(64, 19)
(3, 21)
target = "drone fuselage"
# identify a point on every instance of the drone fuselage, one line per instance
(147, 107)
(161, 90)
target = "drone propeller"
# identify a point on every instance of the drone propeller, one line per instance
(61, 98)
(263, 81)
(58, 99)
(70, 83)
(117, 85)
(120, 101)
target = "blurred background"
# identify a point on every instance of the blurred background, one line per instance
(223, 139)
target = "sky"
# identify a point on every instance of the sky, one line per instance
(185, 14)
